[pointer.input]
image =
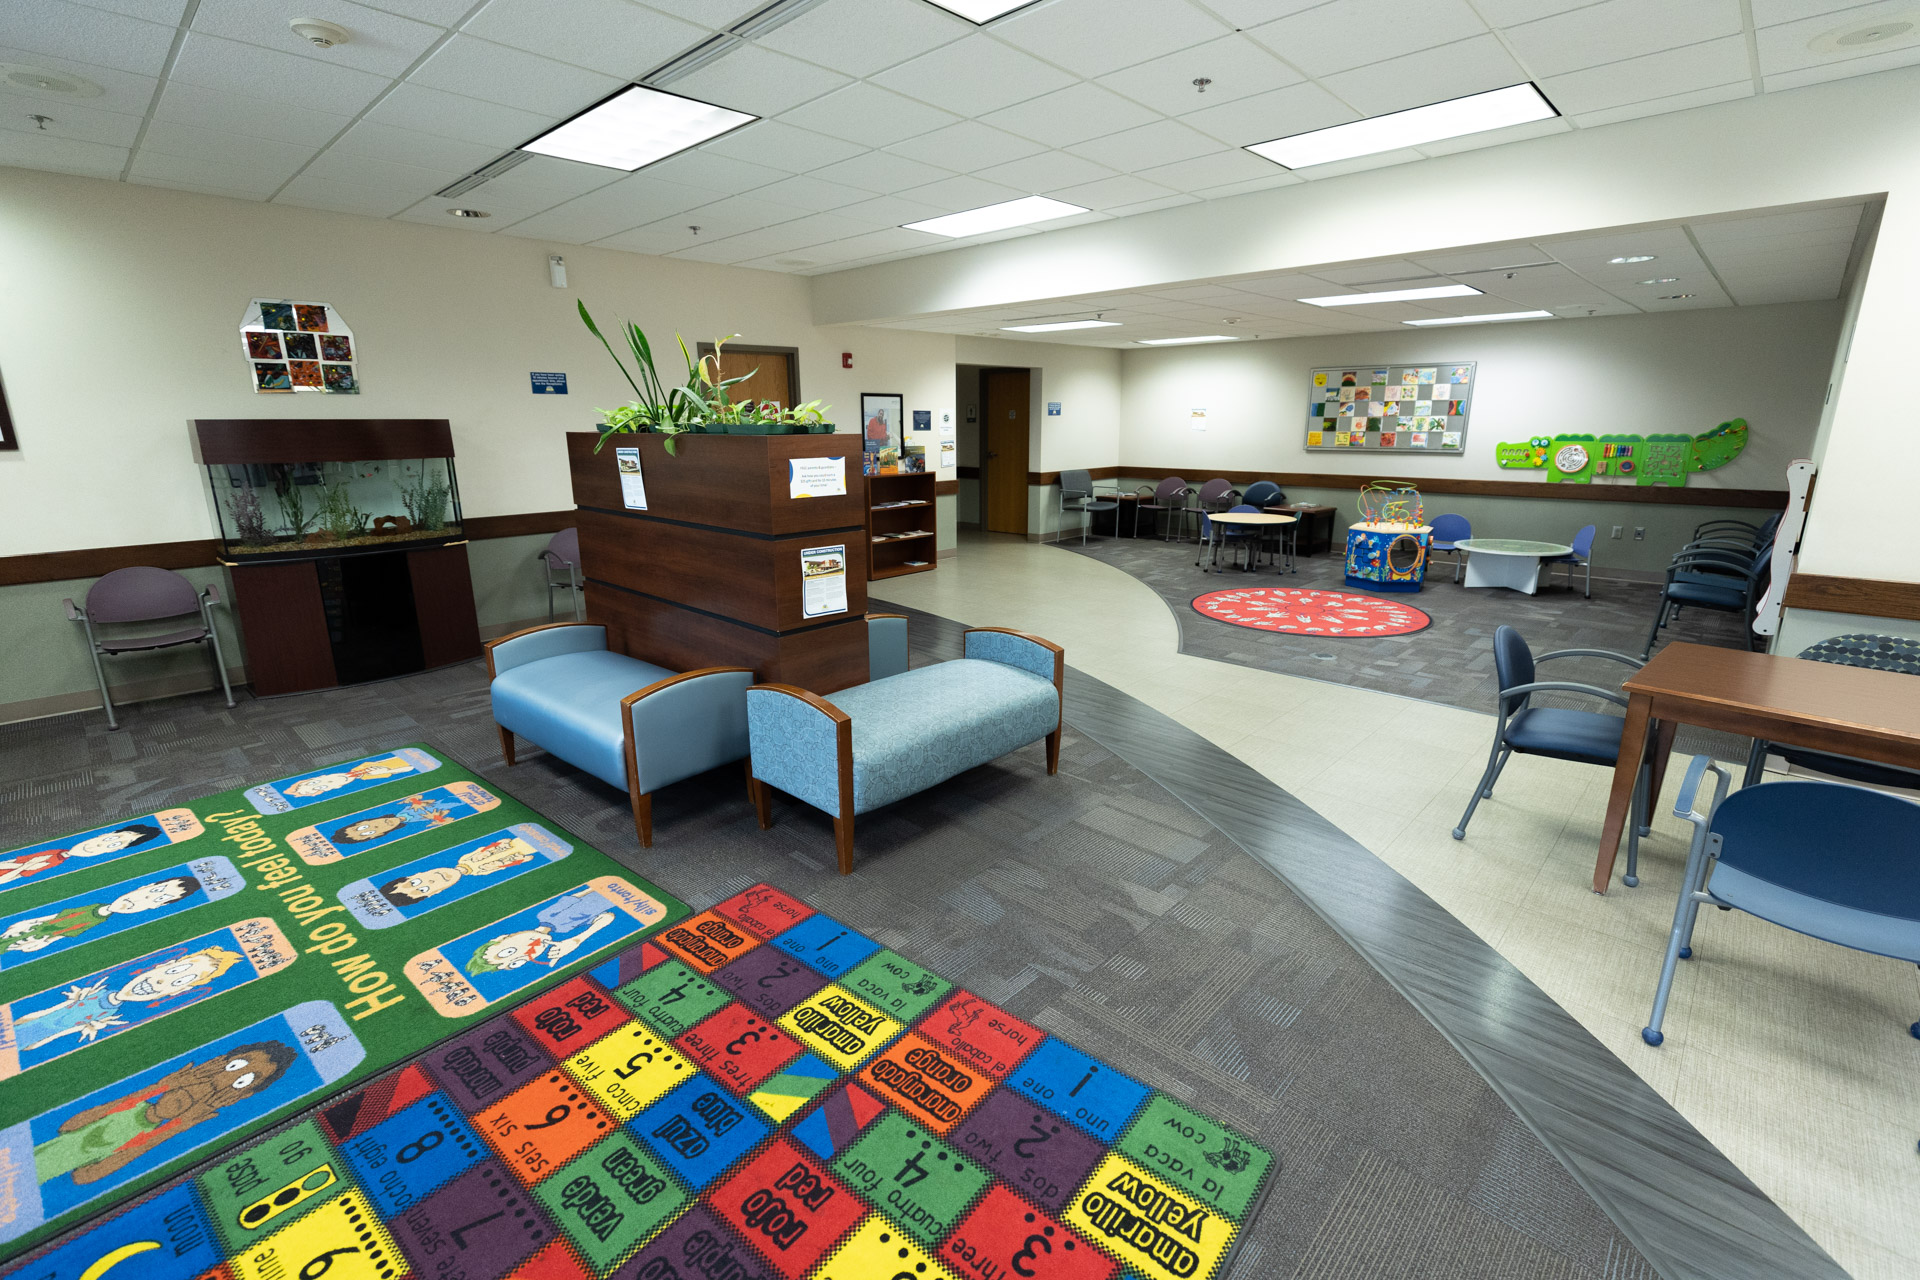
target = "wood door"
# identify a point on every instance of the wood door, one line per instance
(1008, 394)
(772, 376)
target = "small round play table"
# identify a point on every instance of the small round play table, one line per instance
(1508, 562)
(1257, 519)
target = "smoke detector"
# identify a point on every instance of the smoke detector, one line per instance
(324, 34)
(1888, 30)
(37, 81)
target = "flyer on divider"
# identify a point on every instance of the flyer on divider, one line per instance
(823, 581)
(816, 477)
(633, 486)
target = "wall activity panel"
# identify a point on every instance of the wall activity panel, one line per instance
(1407, 408)
(1626, 459)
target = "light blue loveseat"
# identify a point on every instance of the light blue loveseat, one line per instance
(629, 723)
(853, 751)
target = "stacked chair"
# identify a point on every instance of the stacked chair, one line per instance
(1725, 567)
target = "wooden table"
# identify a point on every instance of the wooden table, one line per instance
(1250, 518)
(1850, 711)
(1309, 517)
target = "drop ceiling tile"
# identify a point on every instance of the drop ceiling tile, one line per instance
(410, 146)
(953, 195)
(1537, 287)
(1279, 179)
(733, 216)
(451, 115)
(1619, 29)
(1786, 47)
(441, 13)
(1589, 254)
(73, 121)
(1450, 262)
(1511, 13)
(1112, 193)
(380, 175)
(1326, 40)
(657, 239)
(1840, 220)
(122, 91)
(545, 181)
(1282, 113)
(1048, 171)
(1767, 13)
(57, 29)
(1658, 75)
(1094, 37)
(1071, 115)
(702, 168)
(869, 245)
(966, 146)
(860, 37)
(257, 182)
(1429, 75)
(1764, 295)
(50, 151)
(810, 193)
(274, 118)
(889, 211)
(880, 172)
(792, 236)
(715, 14)
(868, 115)
(619, 206)
(608, 36)
(228, 65)
(1742, 88)
(782, 146)
(432, 212)
(1237, 66)
(165, 12)
(382, 43)
(1284, 286)
(512, 77)
(973, 76)
(1216, 170)
(758, 81)
(1163, 142)
(1904, 56)
(231, 149)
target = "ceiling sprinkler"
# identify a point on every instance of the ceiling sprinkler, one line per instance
(1202, 83)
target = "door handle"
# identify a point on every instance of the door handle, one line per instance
(993, 455)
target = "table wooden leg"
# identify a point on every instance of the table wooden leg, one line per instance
(1633, 748)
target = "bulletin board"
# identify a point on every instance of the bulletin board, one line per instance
(1405, 408)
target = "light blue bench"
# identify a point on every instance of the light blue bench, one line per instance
(629, 723)
(853, 751)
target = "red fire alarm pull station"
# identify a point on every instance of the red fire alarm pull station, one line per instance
(846, 359)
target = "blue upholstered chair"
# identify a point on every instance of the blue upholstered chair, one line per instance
(1077, 497)
(1232, 536)
(1260, 495)
(1834, 862)
(1449, 531)
(1862, 649)
(1745, 581)
(1560, 733)
(1580, 557)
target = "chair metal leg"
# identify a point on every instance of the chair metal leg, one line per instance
(1638, 807)
(1659, 620)
(1484, 787)
(1589, 579)
(1756, 763)
(219, 661)
(106, 699)
(549, 597)
(1680, 938)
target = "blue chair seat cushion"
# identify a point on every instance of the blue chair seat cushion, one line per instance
(1590, 737)
(1881, 935)
(1699, 593)
(570, 705)
(924, 726)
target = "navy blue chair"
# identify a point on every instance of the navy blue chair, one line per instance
(1232, 536)
(1861, 649)
(1262, 494)
(1449, 531)
(1580, 556)
(1834, 862)
(1559, 733)
(1745, 582)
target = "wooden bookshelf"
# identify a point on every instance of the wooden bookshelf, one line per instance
(900, 505)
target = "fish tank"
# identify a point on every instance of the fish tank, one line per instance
(291, 494)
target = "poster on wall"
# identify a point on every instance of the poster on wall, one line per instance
(1406, 408)
(881, 414)
(299, 346)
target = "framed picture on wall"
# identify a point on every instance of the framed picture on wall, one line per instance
(7, 440)
(880, 418)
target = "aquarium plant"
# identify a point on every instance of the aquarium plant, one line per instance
(249, 521)
(293, 509)
(425, 498)
(338, 514)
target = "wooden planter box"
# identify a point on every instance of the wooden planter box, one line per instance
(709, 574)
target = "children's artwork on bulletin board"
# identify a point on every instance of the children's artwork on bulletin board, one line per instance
(1626, 459)
(1412, 408)
(299, 346)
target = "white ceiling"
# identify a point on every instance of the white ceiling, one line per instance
(878, 112)
(1766, 255)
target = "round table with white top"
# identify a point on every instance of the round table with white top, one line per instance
(1257, 520)
(1508, 562)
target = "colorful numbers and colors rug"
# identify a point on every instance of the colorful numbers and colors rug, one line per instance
(757, 1093)
(1304, 612)
(178, 980)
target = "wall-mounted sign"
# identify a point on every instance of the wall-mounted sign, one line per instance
(299, 346)
(816, 477)
(923, 419)
(1053, 408)
(823, 580)
(549, 384)
(1197, 420)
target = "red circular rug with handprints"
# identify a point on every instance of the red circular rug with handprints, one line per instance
(1303, 611)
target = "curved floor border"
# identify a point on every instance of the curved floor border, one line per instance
(1671, 1192)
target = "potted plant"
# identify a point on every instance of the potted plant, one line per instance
(702, 405)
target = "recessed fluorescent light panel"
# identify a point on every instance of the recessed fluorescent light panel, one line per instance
(1394, 295)
(1476, 113)
(1184, 342)
(1059, 326)
(636, 127)
(981, 12)
(1495, 319)
(997, 217)
(1632, 257)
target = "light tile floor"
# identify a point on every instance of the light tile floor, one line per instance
(1789, 1054)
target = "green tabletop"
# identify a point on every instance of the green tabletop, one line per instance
(1513, 547)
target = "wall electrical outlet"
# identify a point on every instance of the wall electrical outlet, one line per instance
(1640, 533)
(1616, 531)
